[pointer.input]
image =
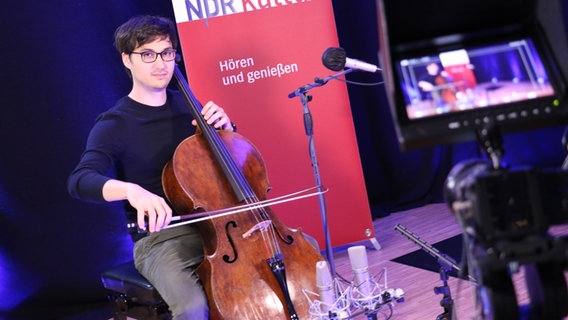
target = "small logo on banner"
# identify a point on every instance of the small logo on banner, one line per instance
(190, 10)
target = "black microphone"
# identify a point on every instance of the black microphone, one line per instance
(335, 59)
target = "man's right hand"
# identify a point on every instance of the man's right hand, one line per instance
(147, 204)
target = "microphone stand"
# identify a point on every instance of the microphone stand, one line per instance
(302, 92)
(446, 265)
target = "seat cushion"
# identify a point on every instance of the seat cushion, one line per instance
(125, 279)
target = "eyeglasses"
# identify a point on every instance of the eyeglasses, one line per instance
(151, 56)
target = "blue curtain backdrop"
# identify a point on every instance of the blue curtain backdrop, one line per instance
(59, 70)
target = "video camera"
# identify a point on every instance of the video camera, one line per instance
(500, 204)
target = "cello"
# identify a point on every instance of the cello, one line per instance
(446, 88)
(254, 266)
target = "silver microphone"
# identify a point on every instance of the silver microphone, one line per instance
(325, 286)
(360, 267)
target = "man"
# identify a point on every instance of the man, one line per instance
(126, 151)
(437, 85)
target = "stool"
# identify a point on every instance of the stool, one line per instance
(132, 295)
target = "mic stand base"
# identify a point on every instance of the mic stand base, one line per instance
(447, 302)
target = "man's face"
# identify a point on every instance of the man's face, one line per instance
(432, 69)
(153, 76)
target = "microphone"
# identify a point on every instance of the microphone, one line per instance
(325, 286)
(360, 267)
(335, 59)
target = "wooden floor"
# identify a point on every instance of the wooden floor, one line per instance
(432, 223)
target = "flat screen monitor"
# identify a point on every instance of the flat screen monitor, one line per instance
(444, 87)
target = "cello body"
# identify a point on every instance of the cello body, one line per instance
(236, 273)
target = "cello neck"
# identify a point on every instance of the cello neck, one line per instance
(238, 183)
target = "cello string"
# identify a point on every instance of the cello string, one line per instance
(242, 189)
(259, 214)
(269, 241)
(240, 186)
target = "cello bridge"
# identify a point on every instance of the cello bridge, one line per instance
(261, 226)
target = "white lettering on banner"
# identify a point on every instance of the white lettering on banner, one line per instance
(190, 10)
(234, 64)
(233, 79)
(231, 64)
(251, 5)
(268, 72)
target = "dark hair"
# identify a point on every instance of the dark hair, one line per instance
(143, 29)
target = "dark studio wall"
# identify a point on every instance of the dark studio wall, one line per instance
(58, 71)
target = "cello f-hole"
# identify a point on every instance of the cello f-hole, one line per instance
(226, 257)
(287, 239)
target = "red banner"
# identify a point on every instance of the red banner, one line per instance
(248, 56)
